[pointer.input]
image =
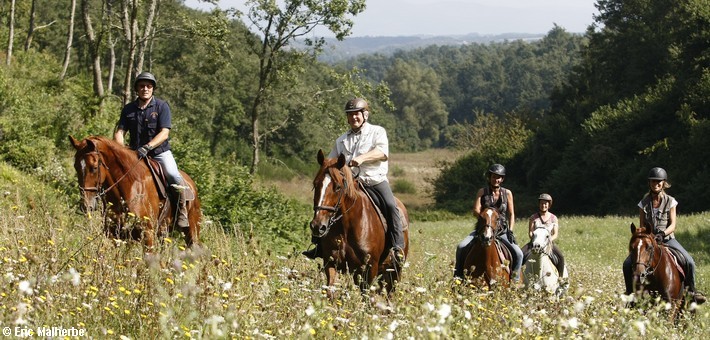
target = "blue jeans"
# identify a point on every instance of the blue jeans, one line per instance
(172, 174)
(689, 268)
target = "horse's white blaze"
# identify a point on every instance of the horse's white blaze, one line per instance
(489, 230)
(323, 188)
(83, 165)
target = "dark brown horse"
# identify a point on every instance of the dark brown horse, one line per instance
(483, 260)
(352, 234)
(113, 174)
(655, 270)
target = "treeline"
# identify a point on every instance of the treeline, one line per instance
(638, 99)
(580, 116)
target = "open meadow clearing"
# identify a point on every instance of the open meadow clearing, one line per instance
(59, 271)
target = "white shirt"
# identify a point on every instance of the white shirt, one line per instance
(353, 144)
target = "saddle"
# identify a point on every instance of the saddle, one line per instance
(161, 183)
(379, 205)
(504, 255)
(679, 260)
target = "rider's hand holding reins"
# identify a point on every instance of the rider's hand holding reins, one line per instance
(143, 151)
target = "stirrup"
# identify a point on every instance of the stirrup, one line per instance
(179, 188)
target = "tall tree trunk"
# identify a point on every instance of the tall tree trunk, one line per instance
(11, 32)
(31, 29)
(147, 36)
(70, 36)
(111, 48)
(130, 26)
(94, 45)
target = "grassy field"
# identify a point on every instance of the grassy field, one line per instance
(58, 271)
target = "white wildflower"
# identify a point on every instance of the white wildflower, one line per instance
(227, 286)
(641, 327)
(310, 310)
(420, 290)
(24, 287)
(75, 277)
(444, 312)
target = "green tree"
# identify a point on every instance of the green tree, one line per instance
(420, 113)
(278, 25)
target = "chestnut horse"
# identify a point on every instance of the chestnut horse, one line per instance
(352, 235)
(655, 270)
(483, 260)
(114, 174)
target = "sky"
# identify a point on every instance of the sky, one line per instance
(458, 17)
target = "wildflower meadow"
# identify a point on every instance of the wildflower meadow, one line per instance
(58, 270)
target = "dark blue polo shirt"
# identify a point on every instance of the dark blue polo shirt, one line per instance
(144, 125)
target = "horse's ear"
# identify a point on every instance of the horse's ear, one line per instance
(75, 143)
(321, 156)
(341, 161)
(633, 228)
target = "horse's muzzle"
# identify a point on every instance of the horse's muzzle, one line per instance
(88, 204)
(318, 229)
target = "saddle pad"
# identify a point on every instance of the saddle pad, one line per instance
(504, 255)
(158, 177)
(374, 203)
(678, 259)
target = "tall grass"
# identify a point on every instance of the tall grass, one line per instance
(58, 270)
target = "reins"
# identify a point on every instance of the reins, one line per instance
(336, 216)
(650, 269)
(99, 191)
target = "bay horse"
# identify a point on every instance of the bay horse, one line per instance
(352, 235)
(113, 174)
(540, 272)
(484, 258)
(654, 269)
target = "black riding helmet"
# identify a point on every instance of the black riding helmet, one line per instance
(145, 76)
(658, 174)
(496, 169)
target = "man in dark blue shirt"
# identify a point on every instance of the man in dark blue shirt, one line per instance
(148, 121)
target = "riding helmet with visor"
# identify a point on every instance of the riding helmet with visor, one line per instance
(658, 174)
(497, 169)
(356, 104)
(145, 76)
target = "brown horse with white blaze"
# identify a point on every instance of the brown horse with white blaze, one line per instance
(113, 173)
(654, 269)
(483, 260)
(352, 235)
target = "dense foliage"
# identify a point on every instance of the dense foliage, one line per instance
(559, 112)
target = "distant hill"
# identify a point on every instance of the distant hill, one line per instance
(352, 46)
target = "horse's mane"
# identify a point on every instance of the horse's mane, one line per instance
(342, 176)
(125, 156)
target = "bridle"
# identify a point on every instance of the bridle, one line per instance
(100, 191)
(487, 225)
(336, 213)
(544, 249)
(650, 269)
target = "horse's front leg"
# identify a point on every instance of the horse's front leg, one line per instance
(330, 274)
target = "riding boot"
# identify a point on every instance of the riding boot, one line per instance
(184, 192)
(314, 252)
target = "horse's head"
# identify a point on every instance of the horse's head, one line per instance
(90, 170)
(540, 239)
(331, 186)
(644, 251)
(487, 225)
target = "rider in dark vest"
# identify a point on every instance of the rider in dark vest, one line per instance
(495, 196)
(148, 122)
(658, 209)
